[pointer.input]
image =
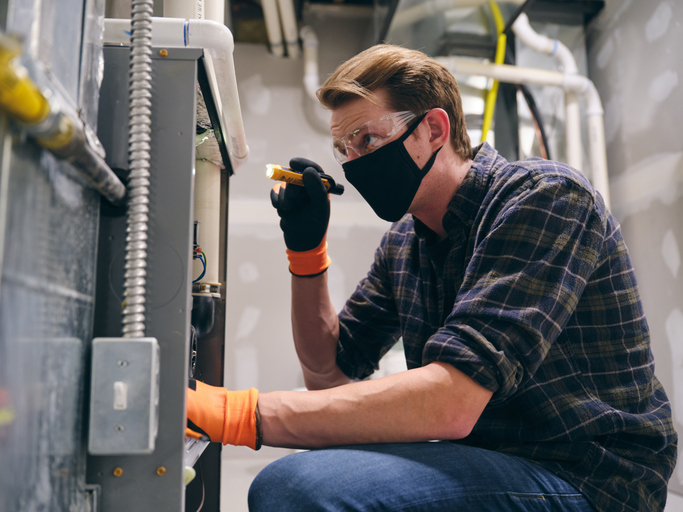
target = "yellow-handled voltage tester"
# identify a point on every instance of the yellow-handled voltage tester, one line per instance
(279, 173)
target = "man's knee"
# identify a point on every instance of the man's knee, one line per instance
(289, 483)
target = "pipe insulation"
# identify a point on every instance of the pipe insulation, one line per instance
(575, 83)
(207, 207)
(217, 41)
(139, 144)
(567, 63)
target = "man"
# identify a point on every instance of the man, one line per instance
(527, 350)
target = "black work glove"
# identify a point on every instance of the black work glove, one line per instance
(304, 211)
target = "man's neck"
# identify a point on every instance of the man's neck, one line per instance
(442, 186)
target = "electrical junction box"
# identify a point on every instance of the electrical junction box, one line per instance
(124, 396)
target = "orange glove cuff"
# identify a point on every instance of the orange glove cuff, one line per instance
(240, 418)
(228, 417)
(309, 263)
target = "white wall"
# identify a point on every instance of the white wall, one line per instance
(634, 59)
(631, 55)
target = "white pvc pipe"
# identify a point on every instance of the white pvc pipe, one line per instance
(216, 39)
(543, 44)
(272, 18)
(214, 10)
(319, 115)
(186, 9)
(569, 83)
(502, 72)
(207, 206)
(572, 126)
(598, 156)
(311, 74)
(291, 33)
(566, 62)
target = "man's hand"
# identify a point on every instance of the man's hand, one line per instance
(228, 417)
(304, 211)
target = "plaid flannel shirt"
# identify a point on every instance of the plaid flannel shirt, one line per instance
(535, 299)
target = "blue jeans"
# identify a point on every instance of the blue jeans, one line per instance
(410, 477)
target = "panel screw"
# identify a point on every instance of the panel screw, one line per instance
(118, 472)
(163, 53)
(119, 428)
(161, 471)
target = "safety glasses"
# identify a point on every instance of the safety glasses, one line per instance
(370, 136)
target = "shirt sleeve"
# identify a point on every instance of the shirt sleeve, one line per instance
(368, 323)
(530, 263)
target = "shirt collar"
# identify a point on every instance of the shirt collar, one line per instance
(467, 200)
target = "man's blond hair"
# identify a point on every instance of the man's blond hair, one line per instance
(412, 80)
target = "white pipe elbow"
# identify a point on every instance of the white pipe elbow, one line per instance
(565, 59)
(527, 35)
(218, 43)
(543, 44)
(308, 37)
(217, 39)
(210, 34)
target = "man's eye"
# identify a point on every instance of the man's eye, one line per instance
(340, 147)
(370, 141)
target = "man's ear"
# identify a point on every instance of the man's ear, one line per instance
(439, 126)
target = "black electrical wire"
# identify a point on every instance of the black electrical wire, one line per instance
(522, 9)
(535, 113)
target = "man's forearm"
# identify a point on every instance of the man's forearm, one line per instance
(433, 402)
(315, 327)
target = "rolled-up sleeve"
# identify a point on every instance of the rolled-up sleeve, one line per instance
(530, 264)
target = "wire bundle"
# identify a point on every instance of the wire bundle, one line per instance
(199, 255)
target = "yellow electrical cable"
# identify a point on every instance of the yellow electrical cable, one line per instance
(18, 94)
(492, 94)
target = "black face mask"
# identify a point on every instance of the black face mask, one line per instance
(388, 178)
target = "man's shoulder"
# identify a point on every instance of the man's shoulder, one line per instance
(539, 168)
(538, 173)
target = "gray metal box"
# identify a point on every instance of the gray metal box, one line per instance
(124, 399)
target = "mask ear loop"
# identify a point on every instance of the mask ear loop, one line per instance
(412, 127)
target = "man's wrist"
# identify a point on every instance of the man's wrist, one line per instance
(309, 263)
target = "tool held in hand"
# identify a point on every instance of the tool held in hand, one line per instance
(288, 175)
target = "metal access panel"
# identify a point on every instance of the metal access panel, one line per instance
(155, 481)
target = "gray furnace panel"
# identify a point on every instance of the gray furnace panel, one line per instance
(151, 482)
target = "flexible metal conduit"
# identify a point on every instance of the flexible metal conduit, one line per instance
(217, 40)
(567, 82)
(139, 138)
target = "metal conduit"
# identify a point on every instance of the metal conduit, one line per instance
(139, 139)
